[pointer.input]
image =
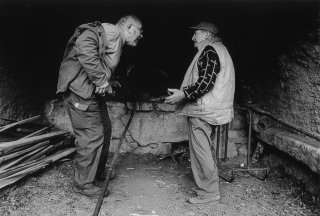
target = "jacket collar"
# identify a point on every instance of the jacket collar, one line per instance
(121, 33)
(207, 42)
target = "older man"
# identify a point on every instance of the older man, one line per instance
(206, 98)
(90, 58)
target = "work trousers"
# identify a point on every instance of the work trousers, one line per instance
(92, 128)
(204, 169)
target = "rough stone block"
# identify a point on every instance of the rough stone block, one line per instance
(151, 130)
(157, 127)
(148, 106)
(125, 147)
(232, 150)
(242, 149)
(155, 149)
(116, 110)
(303, 149)
(238, 136)
(239, 120)
(57, 115)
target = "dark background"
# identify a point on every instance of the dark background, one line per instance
(33, 35)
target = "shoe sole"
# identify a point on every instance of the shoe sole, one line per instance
(194, 200)
(95, 195)
(198, 192)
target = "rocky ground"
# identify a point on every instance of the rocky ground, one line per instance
(149, 185)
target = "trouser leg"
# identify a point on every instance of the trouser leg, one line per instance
(204, 169)
(86, 120)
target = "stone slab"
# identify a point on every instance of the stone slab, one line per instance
(151, 106)
(153, 124)
(157, 127)
(301, 148)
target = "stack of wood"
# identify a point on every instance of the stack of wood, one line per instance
(26, 148)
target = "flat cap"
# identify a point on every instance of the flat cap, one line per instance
(206, 26)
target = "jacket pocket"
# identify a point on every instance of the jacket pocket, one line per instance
(79, 106)
(77, 102)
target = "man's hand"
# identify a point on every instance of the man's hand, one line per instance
(113, 84)
(102, 89)
(176, 96)
(107, 88)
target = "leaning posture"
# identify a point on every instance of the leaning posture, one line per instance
(85, 75)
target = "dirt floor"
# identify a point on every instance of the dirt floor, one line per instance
(149, 185)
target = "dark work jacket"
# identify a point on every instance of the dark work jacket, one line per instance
(90, 58)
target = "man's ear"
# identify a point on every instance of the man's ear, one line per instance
(130, 29)
(208, 34)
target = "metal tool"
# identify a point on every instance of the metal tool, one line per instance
(248, 167)
(115, 156)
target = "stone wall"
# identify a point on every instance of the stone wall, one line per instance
(18, 101)
(290, 88)
(286, 148)
(155, 128)
(287, 88)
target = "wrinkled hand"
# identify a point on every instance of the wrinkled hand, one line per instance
(175, 97)
(102, 89)
(107, 88)
(113, 84)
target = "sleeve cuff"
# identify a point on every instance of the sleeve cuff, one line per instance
(185, 94)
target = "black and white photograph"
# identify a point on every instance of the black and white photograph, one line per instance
(159, 107)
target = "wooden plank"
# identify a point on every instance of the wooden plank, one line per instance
(6, 139)
(48, 159)
(25, 164)
(34, 150)
(6, 166)
(15, 170)
(27, 171)
(31, 169)
(19, 123)
(21, 152)
(7, 146)
(12, 179)
(36, 132)
(60, 155)
(41, 153)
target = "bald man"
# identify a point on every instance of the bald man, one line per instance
(90, 58)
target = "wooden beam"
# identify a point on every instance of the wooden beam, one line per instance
(60, 155)
(15, 170)
(41, 153)
(12, 179)
(7, 146)
(6, 127)
(23, 158)
(21, 152)
(36, 132)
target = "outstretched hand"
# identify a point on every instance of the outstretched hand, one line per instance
(176, 95)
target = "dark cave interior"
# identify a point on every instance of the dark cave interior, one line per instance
(34, 34)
